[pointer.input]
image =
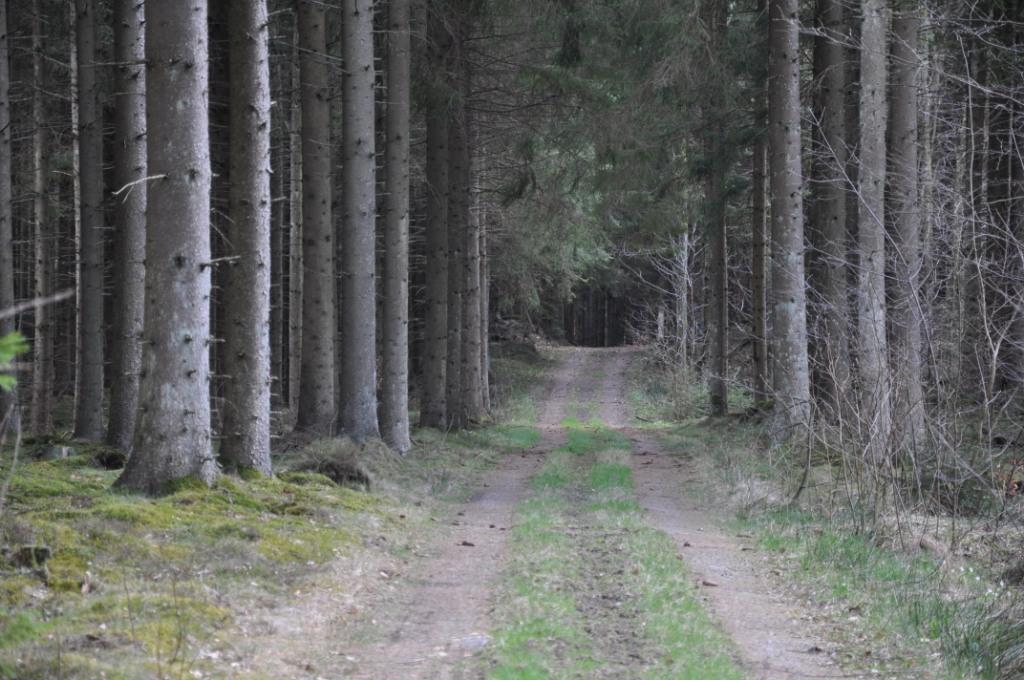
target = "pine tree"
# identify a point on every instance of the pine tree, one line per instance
(433, 406)
(872, 350)
(246, 435)
(316, 388)
(43, 346)
(394, 414)
(8, 400)
(789, 301)
(129, 220)
(358, 382)
(829, 234)
(908, 315)
(172, 439)
(89, 357)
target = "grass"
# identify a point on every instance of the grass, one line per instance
(922, 609)
(589, 585)
(144, 588)
(889, 610)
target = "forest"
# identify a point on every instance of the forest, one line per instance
(511, 339)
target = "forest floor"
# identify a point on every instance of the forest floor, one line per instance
(576, 539)
(582, 557)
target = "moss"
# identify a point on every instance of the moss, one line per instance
(306, 479)
(15, 590)
(189, 483)
(67, 571)
(312, 544)
(134, 511)
(175, 617)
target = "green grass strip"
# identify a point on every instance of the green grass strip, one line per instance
(581, 538)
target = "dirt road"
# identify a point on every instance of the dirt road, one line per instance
(441, 614)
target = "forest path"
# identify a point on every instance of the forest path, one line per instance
(774, 635)
(439, 615)
(442, 615)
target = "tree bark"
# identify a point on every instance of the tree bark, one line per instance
(172, 439)
(89, 357)
(295, 268)
(831, 157)
(433, 408)
(485, 305)
(316, 389)
(759, 223)
(715, 224)
(906, 213)
(40, 414)
(873, 364)
(789, 301)
(759, 268)
(458, 217)
(129, 219)
(8, 400)
(246, 433)
(395, 328)
(472, 396)
(358, 384)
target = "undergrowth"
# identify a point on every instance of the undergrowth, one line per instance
(893, 607)
(124, 586)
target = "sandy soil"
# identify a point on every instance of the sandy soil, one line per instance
(772, 633)
(443, 617)
(429, 621)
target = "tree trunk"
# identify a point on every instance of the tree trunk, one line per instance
(458, 218)
(789, 300)
(485, 307)
(472, 396)
(833, 348)
(42, 351)
(89, 357)
(433, 409)
(220, 198)
(295, 268)
(8, 400)
(906, 211)
(172, 439)
(395, 328)
(278, 231)
(759, 224)
(129, 219)
(715, 225)
(316, 388)
(876, 412)
(358, 384)
(246, 433)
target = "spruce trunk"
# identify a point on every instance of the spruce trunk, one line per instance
(906, 213)
(358, 382)
(246, 431)
(8, 400)
(789, 301)
(89, 356)
(876, 415)
(316, 410)
(172, 439)
(395, 327)
(40, 414)
(129, 220)
(433, 408)
(833, 358)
